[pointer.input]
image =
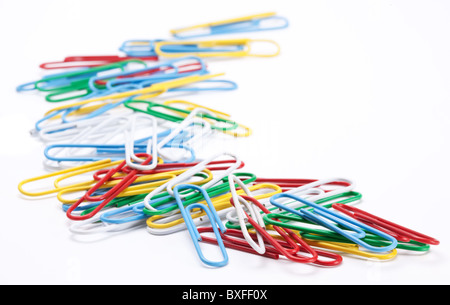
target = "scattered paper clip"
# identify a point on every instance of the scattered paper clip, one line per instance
(121, 162)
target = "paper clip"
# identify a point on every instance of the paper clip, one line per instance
(251, 23)
(54, 79)
(92, 127)
(215, 48)
(101, 130)
(77, 170)
(90, 61)
(220, 197)
(73, 85)
(260, 229)
(294, 183)
(140, 186)
(202, 165)
(161, 204)
(334, 238)
(139, 47)
(243, 216)
(164, 225)
(186, 175)
(152, 146)
(351, 249)
(117, 188)
(399, 232)
(75, 114)
(206, 114)
(133, 212)
(94, 225)
(320, 189)
(344, 221)
(143, 93)
(288, 247)
(145, 79)
(284, 243)
(184, 107)
(232, 244)
(163, 71)
(213, 217)
(217, 165)
(289, 221)
(116, 151)
(109, 195)
(315, 190)
(286, 217)
(129, 210)
(191, 119)
(206, 85)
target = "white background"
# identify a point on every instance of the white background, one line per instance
(359, 91)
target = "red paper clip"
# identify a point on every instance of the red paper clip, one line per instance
(232, 245)
(399, 232)
(192, 67)
(290, 183)
(280, 245)
(90, 61)
(111, 194)
(336, 258)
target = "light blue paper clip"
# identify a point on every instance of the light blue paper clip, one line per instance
(131, 212)
(254, 23)
(216, 223)
(66, 112)
(344, 221)
(139, 47)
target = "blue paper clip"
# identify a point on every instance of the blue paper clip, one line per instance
(107, 216)
(66, 112)
(216, 223)
(344, 221)
(51, 82)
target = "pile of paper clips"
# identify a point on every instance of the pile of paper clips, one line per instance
(121, 161)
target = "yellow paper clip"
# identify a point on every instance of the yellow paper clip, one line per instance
(352, 249)
(152, 181)
(148, 92)
(340, 247)
(73, 171)
(252, 23)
